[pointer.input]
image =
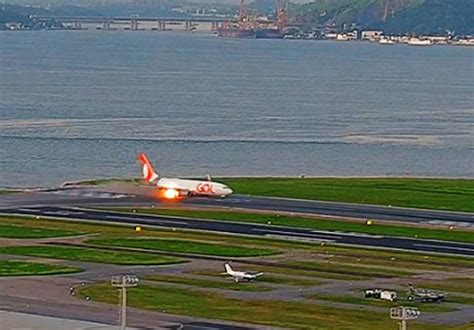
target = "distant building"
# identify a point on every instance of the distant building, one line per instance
(346, 36)
(330, 35)
(467, 41)
(438, 39)
(371, 35)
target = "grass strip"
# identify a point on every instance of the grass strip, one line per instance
(409, 260)
(266, 278)
(15, 231)
(295, 315)
(90, 255)
(182, 246)
(20, 268)
(355, 300)
(350, 269)
(456, 299)
(441, 194)
(295, 271)
(228, 284)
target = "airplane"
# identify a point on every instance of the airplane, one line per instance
(240, 275)
(425, 295)
(175, 189)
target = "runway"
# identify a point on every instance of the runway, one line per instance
(87, 196)
(345, 210)
(255, 230)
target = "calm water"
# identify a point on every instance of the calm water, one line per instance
(81, 104)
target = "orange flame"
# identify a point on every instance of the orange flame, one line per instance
(171, 194)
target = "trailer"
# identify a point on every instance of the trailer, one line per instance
(381, 294)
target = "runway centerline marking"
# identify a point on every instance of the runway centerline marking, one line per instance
(112, 217)
(309, 234)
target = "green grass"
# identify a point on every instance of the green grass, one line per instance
(293, 271)
(14, 231)
(4, 192)
(442, 194)
(317, 224)
(356, 300)
(340, 254)
(127, 231)
(225, 284)
(295, 315)
(89, 255)
(456, 299)
(266, 278)
(396, 259)
(351, 269)
(20, 268)
(182, 246)
(412, 260)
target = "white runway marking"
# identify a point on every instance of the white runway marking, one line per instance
(445, 247)
(289, 233)
(450, 223)
(112, 217)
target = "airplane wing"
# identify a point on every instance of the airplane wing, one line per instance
(172, 191)
(255, 274)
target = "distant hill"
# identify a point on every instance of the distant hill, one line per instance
(393, 16)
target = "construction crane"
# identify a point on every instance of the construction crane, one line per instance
(242, 12)
(282, 14)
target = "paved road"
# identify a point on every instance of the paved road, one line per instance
(84, 196)
(257, 230)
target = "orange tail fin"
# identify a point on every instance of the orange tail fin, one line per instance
(149, 173)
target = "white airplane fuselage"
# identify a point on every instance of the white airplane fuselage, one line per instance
(188, 188)
(237, 275)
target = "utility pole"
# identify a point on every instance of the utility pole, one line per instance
(123, 282)
(404, 314)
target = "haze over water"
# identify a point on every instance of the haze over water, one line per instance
(77, 105)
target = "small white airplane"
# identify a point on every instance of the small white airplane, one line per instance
(174, 188)
(240, 275)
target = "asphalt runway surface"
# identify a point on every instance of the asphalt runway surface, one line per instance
(83, 196)
(248, 229)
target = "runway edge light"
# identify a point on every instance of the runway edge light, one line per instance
(138, 229)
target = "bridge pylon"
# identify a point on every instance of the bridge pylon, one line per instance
(106, 25)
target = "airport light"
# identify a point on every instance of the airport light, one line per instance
(123, 282)
(404, 314)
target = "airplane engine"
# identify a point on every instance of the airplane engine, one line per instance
(171, 194)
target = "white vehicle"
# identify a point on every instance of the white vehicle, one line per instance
(240, 275)
(174, 188)
(381, 294)
(388, 295)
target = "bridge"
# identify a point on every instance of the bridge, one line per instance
(133, 22)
